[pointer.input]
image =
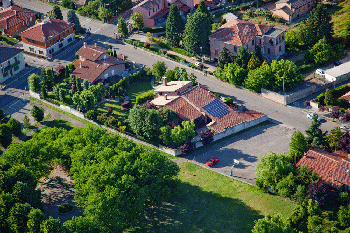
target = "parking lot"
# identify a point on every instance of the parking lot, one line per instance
(245, 147)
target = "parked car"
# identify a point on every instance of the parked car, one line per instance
(212, 161)
(320, 71)
(311, 115)
(345, 127)
(197, 63)
(337, 63)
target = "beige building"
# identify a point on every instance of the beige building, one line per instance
(95, 65)
(11, 62)
(289, 10)
(237, 33)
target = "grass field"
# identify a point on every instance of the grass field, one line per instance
(121, 114)
(139, 89)
(210, 202)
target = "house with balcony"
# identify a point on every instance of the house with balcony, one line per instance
(11, 62)
(48, 37)
(237, 33)
(16, 19)
(289, 10)
(96, 65)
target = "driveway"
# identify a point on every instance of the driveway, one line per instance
(247, 148)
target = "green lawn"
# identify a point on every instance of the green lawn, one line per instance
(139, 89)
(210, 202)
(121, 114)
(8, 40)
(60, 123)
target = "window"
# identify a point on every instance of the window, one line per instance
(149, 13)
(5, 73)
(68, 31)
(16, 68)
(268, 51)
(280, 48)
(31, 49)
(259, 41)
(69, 40)
(235, 48)
(253, 42)
(271, 41)
(41, 52)
(112, 72)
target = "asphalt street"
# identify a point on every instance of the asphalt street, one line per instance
(103, 34)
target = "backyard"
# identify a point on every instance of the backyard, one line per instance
(206, 201)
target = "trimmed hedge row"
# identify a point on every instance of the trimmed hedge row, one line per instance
(144, 97)
(154, 29)
(337, 93)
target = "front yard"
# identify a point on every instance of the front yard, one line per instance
(139, 89)
(206, 201)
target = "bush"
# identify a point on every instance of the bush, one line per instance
(5, 135)
(37, 113)
(147, 45)
(15, 127)
(144, 97)
(186, 147)
(164, 51)
(154, 49)
(102, 117)
(207, 137)
(306, 67)
(154, 29)
(229, 101)
(182, 51)
(91, 115)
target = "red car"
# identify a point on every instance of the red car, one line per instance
(212, 161)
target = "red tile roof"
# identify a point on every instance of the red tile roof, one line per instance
(48, 27)
(160, 13)
(14, 15)
(329, 166)
(184, 109)
(346, 96)
(189, 106)
(239, 32)
(91, 70)
(91, 52)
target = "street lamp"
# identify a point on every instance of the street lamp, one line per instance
(202, 58)
(235, 161)
(284, 95)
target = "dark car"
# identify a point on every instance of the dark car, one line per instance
(212, 161)
(337, 63)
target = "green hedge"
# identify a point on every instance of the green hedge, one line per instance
(8, 40)
(154, 29)
(154, 49)
(175, 57)
(337, 93)
(136, 43)
(182, 51)
(144, 97)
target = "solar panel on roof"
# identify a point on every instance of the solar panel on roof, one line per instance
(216, 108)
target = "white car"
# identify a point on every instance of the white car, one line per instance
(197, 63)
(311, 115)
(320, 71)
(345, 127)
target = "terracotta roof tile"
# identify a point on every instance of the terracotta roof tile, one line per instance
(329, 166)
(14, 15)
(91, 70)
(160, 13)
(91, 52)
(239, 32)
(184, 109)
(48, 27)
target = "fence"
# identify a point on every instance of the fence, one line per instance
(289, 97)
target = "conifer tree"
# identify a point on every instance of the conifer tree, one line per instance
(174, 26)
(204, 9)
(122, 28)
(57, 13)
(224, 58)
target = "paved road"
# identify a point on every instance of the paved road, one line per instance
(103, 34)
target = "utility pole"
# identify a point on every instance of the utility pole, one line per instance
(284, 95)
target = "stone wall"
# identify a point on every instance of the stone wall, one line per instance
(289, 97)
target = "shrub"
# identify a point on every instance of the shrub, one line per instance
(207, 137)
(229, 101)
(37, 113)
(164, 51)
(102, 117)
(147, 45)
(182, 51)
(5, 135)
(154, 29)
(144, 97)
(186, 147)
(126, 105)
(109, 110)
(154, 49)
(91, 115)
(15, 126)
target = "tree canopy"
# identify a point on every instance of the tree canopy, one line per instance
(224, 58)
(174, 26)
(122, 28)
(137, 20)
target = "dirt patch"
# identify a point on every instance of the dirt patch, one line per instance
(58, 189)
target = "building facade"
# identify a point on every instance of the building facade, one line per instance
(289, 10)
(48, 37)
(11, 62)
(16, 19)
(237, 33)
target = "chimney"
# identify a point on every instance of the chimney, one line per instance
(95, 45)
(165, 96)
(165, 81)
(80, 64)
(104, 63)
(84, 44)
(209, 93)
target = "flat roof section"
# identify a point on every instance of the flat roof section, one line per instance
(339, 70)
(172, 86)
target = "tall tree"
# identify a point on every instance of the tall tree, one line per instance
(174, 26)
(317, 26)
(34, 83)
(137, 20)
(122, 28)
(272, 224)
(196, 34)
(5, 135)
(37, 113)
(320, 53)
(73, 18)
(253, 63)
(328, 98)
(158, 69)
(258, 53)
(242, 58)
(224, 58)
(18, 217)
(314, 135)
(344, 142)
(57, 13)
(52, 225)
(15, 126)
(35, 218)
(298, 145)
(333, 138)
(234, 74)
(202, 7)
